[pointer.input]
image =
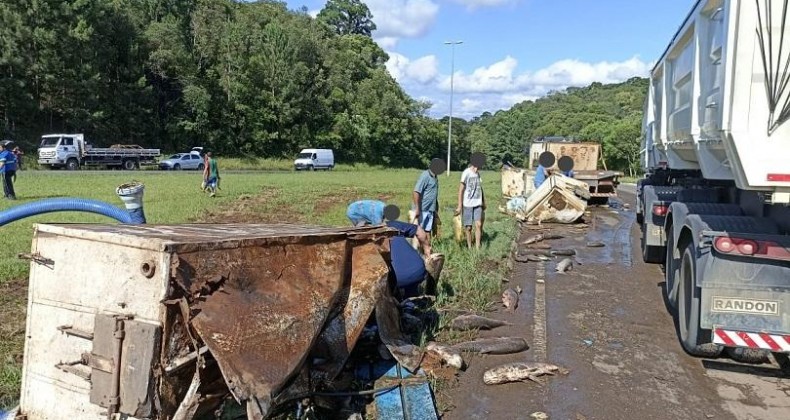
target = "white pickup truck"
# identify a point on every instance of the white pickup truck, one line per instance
(70, 151)
(713, 205)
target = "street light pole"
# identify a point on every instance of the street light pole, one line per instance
(452, 45)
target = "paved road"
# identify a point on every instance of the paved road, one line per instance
(606, 323)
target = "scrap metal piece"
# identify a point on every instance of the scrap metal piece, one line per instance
(261, 326)
(358, 299)
(388, 321)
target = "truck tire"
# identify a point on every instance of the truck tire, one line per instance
(129, 165)
(72, 164)
(671, 272)
(310, 168)
(201, 167)
(695, 341)
(177, 167)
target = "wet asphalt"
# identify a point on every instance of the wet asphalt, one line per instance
(605, 323)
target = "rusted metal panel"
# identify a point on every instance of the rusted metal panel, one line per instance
(358, 299)
(261, 308)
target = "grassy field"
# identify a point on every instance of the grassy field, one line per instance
(469, 280)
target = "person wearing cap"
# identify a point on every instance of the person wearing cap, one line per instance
(8, 170)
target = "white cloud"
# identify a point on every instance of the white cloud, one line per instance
(421, 71)
(387, 42)
(403, 18)
(500, 85)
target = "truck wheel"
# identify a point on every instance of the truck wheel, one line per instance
(129, 165)
(671, 273)
(72, 164)
(310, 168)
(201, 167)
(691, 335)
(177, 167)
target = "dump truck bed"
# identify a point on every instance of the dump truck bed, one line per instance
(716, 101)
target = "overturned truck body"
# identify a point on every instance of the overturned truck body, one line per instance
(153, 321)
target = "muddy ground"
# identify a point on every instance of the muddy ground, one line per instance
(606, 323)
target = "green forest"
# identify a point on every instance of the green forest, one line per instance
(256, 79)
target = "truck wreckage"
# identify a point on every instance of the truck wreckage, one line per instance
(167, 321)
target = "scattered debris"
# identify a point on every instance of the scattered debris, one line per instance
(514, 372)
(510, 299)
(449, 355)
(539, 415)
(587, 342)
(563, 252)
(595, 244)
(470, 322)
(533, 239)
(540, 281)
(499, 345)
(564, 265)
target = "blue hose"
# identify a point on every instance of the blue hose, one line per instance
(131, 194)
(51, 205)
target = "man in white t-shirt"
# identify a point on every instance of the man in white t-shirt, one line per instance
(471, 200)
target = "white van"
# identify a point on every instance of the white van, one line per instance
(312, 159)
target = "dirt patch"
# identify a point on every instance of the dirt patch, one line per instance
(344, 196)
(259, 208)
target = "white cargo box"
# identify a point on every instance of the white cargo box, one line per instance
(86, 281)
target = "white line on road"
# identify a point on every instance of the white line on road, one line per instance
(539, 331)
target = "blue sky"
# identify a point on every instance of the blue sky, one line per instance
(516, 49)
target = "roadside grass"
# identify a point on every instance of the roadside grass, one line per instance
(470, 279)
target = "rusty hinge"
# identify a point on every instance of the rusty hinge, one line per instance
(37, 258)
(97, 362)
(69, 330)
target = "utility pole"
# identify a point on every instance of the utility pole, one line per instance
(452, 45)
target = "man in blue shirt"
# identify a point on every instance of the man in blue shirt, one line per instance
(366, 212)
(540, 175)
(8, 170)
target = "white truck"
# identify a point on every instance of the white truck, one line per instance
(713, 205)
(70, 151)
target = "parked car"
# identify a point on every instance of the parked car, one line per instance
(312, 159)
(181, 161)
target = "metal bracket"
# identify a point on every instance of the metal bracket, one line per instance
(37, 258)
(71, 367)
(69, 330)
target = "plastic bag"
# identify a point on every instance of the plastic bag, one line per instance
(458, 228)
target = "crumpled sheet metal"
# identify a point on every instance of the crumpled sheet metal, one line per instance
(358, 299)
(265, 318)
(556, 200)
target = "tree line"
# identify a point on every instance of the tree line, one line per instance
(257, 79)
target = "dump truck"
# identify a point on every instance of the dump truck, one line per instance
(72, 152)
(586, 155)
(713, 204)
